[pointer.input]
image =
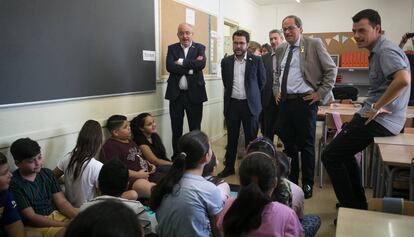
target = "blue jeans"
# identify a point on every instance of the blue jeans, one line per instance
(339, 160)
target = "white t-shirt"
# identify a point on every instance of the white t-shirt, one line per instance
(147, 222)
(82, 189)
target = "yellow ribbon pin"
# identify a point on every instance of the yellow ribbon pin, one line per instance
(302, 49)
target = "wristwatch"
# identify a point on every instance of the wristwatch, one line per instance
(374, 109)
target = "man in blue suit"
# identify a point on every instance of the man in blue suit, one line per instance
(186, 89)
(243, 76)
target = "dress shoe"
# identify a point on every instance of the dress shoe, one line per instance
(307, 190)
(226, 172)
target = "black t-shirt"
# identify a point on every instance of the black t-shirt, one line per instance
(156, 146)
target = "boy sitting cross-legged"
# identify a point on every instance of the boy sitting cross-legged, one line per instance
(39, 198)
(112, 181)
(142, 174)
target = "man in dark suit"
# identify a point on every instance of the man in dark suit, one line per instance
(305, 76)
(243, 77)
(186, 89)
(269, 112)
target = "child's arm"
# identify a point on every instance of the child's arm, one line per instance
(15, 229)
(141, 174)
(57, 173)
(63, 205)
(213, 225)
(151, 157)
(39, 220)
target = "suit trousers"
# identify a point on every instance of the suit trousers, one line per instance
(268, 119)
(194, 114)
(238, 112)
(339, 160)
(297, 126)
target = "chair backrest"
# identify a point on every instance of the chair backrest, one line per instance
(409, 123)
(330, 122)
(392, 205)
(345, 92)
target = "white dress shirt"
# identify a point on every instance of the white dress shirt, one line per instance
(183, 84)
(238, 91)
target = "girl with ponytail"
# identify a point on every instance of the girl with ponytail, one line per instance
(185, 203)
(254, 213)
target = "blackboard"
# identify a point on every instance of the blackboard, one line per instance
(60, 49)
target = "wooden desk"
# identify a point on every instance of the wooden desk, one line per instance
(349, 110)
(400, 139)
(396, 155)
(344, 110)
(353, 222)
(392, 159)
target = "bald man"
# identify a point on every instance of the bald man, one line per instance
(186, 89)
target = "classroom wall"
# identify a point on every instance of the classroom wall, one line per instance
(56, 125)
(244, 12)
(335, 16)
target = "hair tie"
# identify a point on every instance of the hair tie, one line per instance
(254, 179)
(183, 154)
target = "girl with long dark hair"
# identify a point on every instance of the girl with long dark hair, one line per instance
(80, 168)
(254, 213)
(144, 131)
(185, 203)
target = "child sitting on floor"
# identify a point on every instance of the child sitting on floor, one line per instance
(142, 174)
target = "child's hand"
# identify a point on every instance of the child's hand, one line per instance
(151, 168)
(142, 174)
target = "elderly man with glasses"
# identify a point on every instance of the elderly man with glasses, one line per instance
(304, 78)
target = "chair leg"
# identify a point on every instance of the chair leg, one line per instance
(362, 166)
(319, 157)
(411, 188)
(320, 170)
(321, 176)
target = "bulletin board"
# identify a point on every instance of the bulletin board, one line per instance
(205, 31)
(337, 42)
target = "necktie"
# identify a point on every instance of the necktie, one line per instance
(285, 73)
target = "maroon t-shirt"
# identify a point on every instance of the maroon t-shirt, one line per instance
(128, 153)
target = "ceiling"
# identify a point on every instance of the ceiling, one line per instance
(271, 2)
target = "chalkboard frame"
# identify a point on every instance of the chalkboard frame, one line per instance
(111, 35)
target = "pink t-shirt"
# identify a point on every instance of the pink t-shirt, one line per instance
(278, 220)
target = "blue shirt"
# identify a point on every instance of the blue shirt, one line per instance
(8, 210)
(185, 211)
(295, 81)
(385, 59)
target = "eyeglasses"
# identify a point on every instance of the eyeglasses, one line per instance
(289, 28)
(185, 33)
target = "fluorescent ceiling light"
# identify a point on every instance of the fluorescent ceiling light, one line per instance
(298, 1)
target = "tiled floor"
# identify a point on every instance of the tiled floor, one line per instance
(322, 203)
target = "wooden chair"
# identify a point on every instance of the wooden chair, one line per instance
(392, 205)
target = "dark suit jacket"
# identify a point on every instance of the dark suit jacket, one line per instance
(254, 80)
(267, 93)
(196, 84)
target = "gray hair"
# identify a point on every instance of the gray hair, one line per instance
(298, 21)
(277, 32)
